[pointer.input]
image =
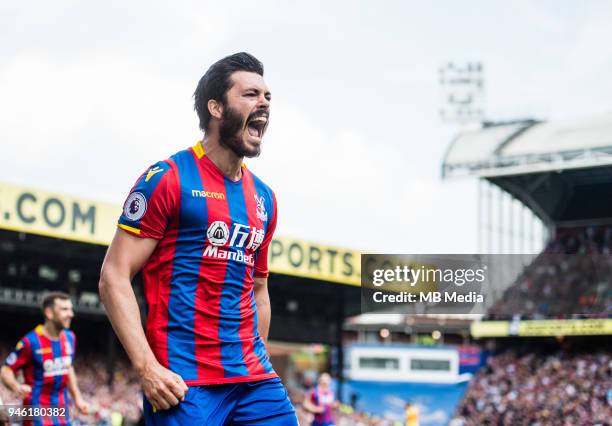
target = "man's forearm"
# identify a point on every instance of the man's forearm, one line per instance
(262, 301)
(122, 309)
(9, 380)
(73, 385)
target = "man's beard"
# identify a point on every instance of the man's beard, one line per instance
(57, 324)
(231, 134)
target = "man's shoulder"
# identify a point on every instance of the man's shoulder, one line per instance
(28, 338)
(183, 158)
(160, 169)
(171, 163)
(164, 170)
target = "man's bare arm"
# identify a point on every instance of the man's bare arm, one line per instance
(125, 257)
(73, 388)
(311, 406)
(262, 300)
(10, 381)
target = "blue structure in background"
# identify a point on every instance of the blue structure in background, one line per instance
(436, 402)
(381, 379)
(471, 359)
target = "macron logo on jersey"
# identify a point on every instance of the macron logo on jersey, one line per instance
(208, 194)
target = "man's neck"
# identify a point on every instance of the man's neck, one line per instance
(224, 158)
(50, 330)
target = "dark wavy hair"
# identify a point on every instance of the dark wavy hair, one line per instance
(216, 82)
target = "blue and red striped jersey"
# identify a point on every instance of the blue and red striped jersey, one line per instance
(323, 398)
(46, 365)
(213, 235)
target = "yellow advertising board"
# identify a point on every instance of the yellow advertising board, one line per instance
(50, 214)
(577, 327)
(542, 328)
(309, 260)
(54, 215)
(480, 329)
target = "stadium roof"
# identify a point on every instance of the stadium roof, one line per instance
(530, 146)
(562, 171)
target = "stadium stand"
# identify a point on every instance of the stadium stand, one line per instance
(571, 278)
(558, 389)
(552, 369)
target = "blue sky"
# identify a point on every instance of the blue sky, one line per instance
(91, 94)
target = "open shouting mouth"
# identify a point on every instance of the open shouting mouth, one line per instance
(256, 126)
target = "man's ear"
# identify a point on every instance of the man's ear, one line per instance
(215, 109)
(48, 312)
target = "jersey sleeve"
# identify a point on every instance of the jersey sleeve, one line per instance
(20, 356)
(151, 202)
(261, 263)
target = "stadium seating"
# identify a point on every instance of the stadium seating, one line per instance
(539, 390)
(569, 279)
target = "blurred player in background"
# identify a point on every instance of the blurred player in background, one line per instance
(46, 355)
(411, 412)
(199, 226)
(321, 402)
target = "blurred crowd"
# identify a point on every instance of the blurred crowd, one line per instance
(537, 390)
(572, 278)
(116, 401)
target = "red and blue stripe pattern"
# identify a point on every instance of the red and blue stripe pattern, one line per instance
(213, 237)
(46, 366)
